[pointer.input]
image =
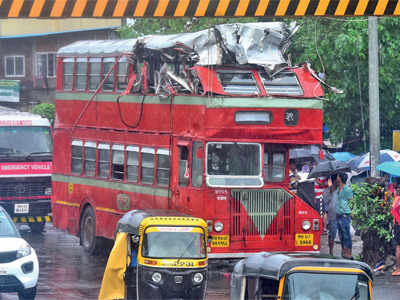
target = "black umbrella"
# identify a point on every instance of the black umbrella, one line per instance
(327, 168)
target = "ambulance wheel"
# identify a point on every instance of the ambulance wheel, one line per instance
(37, 227)
(89, 241)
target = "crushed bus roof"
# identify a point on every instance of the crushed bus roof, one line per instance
(261, 44)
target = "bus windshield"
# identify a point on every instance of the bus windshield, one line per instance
(326, 286)
(25, 140)
(233, 164)
(174, 242)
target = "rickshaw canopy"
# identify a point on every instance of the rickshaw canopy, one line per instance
(276, 265)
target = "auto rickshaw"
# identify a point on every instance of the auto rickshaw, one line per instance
(300, 277)
(157, 254)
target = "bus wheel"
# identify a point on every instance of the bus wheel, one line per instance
(88, 237)
(37, 227)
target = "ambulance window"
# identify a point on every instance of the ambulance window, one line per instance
(90, 159)
(147, 169)
(197, 164)
(132, 163)
(76, 157)
(183, 179)
(118, 159)
(103, 163)
(163, 167)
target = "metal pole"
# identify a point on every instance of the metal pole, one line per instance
(374, 134)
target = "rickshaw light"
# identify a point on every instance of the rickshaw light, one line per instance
(218, 226)
(156, 277)
(198, 278)
(306, 225)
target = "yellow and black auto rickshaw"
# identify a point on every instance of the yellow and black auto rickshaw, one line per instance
(157, 255)
(300, 277)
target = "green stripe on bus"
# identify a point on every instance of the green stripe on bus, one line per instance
(210, 102)
(120, 186)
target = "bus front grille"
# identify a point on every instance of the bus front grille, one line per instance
(255, 213)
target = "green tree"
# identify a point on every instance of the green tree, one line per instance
(46, 110)
(339, 48)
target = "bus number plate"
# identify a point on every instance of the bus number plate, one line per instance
(22, 208)
(220, 241)
(306, 239)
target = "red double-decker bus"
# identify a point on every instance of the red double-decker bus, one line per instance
(198, 122)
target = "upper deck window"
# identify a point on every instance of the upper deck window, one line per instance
(233, 164)
(68, 73)
(284, 83)
(108, 64)
(94, 73)
(81, 74)
(122, 74)
(238, 82)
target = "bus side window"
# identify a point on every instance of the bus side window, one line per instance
(108, 64)
(132, 163)
(103, 164)
(81, 74)
(118, 159)
(122, 74)
(183, 179)
(163, 167)
(147, 169)
(90, 159)
(94, 73)
(197, 164)
(68, 73)
(76, 157)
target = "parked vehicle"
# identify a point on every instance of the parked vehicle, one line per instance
(19, 266)
(300, 277)
(157, 255)
(26, 150)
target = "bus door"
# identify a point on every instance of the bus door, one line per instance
(188, 178)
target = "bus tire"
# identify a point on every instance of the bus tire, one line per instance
(87, 231)
(37, 227)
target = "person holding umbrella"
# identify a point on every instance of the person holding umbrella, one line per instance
(343, 215)
(329, 207)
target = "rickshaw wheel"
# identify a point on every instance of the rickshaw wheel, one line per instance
(88, 237)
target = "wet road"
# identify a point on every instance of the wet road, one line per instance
(67, 272)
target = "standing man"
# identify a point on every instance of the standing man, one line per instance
(330, 199)
(343, 215)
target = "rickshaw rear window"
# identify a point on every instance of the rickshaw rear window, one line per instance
(174, 242)
(326, 286)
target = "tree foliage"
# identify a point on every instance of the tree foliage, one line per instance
(339, 48)
(46, 110)
(372, 217)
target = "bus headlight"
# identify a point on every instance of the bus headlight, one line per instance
(198, 278)
(306, 225)
(218, 226)
(156, 277)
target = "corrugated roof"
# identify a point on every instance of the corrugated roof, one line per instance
(54, 33)
(96, 47)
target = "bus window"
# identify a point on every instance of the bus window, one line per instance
(94, 73)
(103, 164)
(284, 83)
(238, 82)
(122, 75)
(183, 179)
(132, 163)
(76, 157)
(118, 159)
(90, 159)
(274, 166)
(81, 74)
(147, 169)
(108, 64)
(163, 166)
(68, 73)
(197, 164)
